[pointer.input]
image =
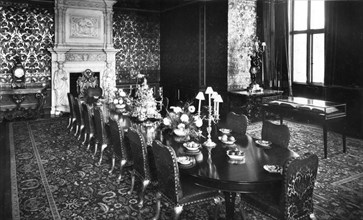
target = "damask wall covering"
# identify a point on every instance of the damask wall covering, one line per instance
(26, 32)
(242, 24)
(137, 36)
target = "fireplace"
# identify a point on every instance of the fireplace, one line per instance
(83, 40)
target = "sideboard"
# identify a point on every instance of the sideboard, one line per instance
(22, 102)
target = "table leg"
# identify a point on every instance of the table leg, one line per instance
(325, 140)
(230, 198)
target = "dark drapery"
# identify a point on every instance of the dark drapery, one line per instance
(344, 43)
(276, 35)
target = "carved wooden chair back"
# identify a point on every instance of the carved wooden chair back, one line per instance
(277, 134)
(237, 122)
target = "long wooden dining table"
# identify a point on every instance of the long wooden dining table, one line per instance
(213, 168)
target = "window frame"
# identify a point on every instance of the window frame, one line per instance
(309, 44)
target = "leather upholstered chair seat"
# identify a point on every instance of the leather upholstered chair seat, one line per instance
(120, 144)
(237, 122)
(88, 125)
(72, 114)
(141, 162)
(293, 199)
(177, 189)
(277, 134)
(101, 135)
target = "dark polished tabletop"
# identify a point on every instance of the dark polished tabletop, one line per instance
(213, 168)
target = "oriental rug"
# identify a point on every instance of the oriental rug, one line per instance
(53, 177)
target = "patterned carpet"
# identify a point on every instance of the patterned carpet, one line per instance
(54, 178)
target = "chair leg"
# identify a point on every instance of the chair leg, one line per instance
(145, 183)
(81, 131)
(122, 164)
(218, 202)
(103, 147)
(90, 139)
(86, 137)
(132, 182)
(158, 206)
(177, 211)
(69, 122)
(95, 152)
(76, 132)
(113, 163)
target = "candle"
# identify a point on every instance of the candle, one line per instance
(200, 97)
(209, 91)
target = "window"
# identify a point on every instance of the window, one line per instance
(307, 40)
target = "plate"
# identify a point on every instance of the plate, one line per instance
(226, 142)
(225, 130)
(192, 146)
(264, 143)
(273, 168)
(184, 160)
(236, 154)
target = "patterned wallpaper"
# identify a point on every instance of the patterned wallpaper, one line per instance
(26, 32)
(242, 24)
(137, 36)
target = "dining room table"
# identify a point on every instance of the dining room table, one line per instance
(212, 166)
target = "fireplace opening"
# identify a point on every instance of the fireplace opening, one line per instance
(73, 82)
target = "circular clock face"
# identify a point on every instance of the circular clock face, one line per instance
(19, 72)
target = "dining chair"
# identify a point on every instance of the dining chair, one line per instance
(276, 133)
(79, 118)
(237, 122)
(293, 199)
(141, 162)
(72, 114)
(88, 125)
(101, 136)
(177, 189)
(120, 144)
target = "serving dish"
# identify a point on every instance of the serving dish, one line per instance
(225, 130)
(184, 160)
(229, 140)
(191, 146)
(263, 143)
(236, 154)
(273, 168)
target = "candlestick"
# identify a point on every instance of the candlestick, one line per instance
(209, 142)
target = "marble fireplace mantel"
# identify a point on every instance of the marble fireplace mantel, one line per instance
(83, 40)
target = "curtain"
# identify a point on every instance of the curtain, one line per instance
(276, 35)
(343, 43)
